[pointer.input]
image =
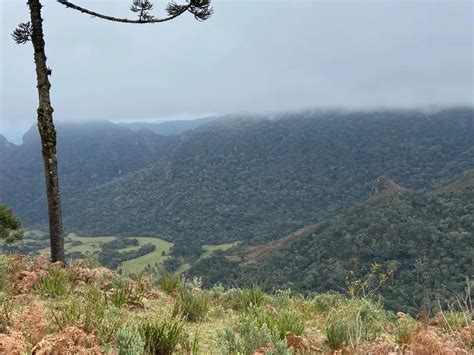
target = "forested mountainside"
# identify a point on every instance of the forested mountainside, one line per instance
(89, 154)
(259, 179)
(6, 148)
(423, 240)
(249, 179)
(170, 127)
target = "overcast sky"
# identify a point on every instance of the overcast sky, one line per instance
(250, 56)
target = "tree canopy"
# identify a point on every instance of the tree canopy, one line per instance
(10, 225)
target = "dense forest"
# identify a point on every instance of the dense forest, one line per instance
(90, 154)
(251, 179)
(256, 179)
(423, 241)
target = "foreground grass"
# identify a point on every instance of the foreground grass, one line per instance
(48, 309)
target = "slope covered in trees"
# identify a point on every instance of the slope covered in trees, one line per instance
(251, 179)
(90, 154)
(257, 179)
(6, 147)
(423, 240)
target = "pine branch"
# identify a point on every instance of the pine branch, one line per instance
(201, 10)
(142, 7)
(22, 33)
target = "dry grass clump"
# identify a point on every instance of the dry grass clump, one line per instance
(427, 341)
(12, 344)
(71, 340)
(31, 322)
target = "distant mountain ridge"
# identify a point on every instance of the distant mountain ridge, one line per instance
(89, 154)
(170, 127)
(6, 147)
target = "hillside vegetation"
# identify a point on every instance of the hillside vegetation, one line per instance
(423, 241)
(89, 154)
(247, 179)
(47, 309)
(256, 179)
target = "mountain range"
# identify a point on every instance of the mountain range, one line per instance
(264, 182)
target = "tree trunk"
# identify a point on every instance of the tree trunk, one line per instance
(47, 133)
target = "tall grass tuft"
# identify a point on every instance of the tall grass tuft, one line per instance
(169, 282)
(160, 336)
(404, 330)
(56, 282)
(252, 296)
(192, 305)
(358, 321)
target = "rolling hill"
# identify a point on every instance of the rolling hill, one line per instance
(423, 240)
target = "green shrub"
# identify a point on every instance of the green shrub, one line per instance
(249, 336)
(113, 319)
(160, 336)
(358, 321)
(56, 282)
(89, 312)
(336, 332)
(169, 282)
(93, 308)
(192, 305)
(288, 320)
(325, 302)
(217, 311)
(232, 299)
(454, 320)
(279, 323)
(129, 342)
(120, 291)
(404, 330)
(252, 297)
(282, 298)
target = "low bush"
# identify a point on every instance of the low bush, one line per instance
(169, 282)
(336, 332)
(192, 305)
(57, 282)
(252, 297)
(129, 342)
(120, 291)
(249, 336)
(160, 336)
(358, 321)
(232, 299)
(404, 330)
(454, 320)
(325, 302)
(279, 323)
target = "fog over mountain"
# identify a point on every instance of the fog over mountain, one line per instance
(321, 54)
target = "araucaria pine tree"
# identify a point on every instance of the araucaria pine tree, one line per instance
(33, 31)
